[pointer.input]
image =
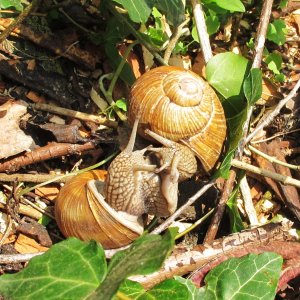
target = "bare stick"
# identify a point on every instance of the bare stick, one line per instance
(75, 114)
(248, 204)
(266, 173)
(202, 30)
(179, 211)
(260, 40)
(17, 258)
(273, 159)
(214, 225)
(173, 40)
(269, 118)
(259, 47)
(30, 177)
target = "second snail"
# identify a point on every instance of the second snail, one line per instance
(174, 107)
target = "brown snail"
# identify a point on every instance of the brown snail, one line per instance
(109, 211)
(179, 105)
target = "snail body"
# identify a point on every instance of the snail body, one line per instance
(174, 107)
(109, 210)
(179, 105)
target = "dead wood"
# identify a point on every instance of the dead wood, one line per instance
(50, 151)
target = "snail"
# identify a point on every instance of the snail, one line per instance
(180, 106)
(110, 210)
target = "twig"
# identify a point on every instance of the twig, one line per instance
(263, 23)
(75, 114)
(179, 211)
(273, 159)
(266, 173)
(19, 20)
(193, 226)
(52, 150)
(259, 47)
(29, 177)
(214, 225)
(7, 230)
(275, 136)
(43, 211)
(17, 258)
(174, 39)
(248, 204)
(202, 30)
(269, 118)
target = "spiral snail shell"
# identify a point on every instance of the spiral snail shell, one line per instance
(180, 106)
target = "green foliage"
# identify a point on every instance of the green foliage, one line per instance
(138, 11)
(274, 62)
(232, 5)
(195, 293)
(250, 277)
(144, 256)
(253, 86)
(231, 89)
(236, 223)
(277, 32)
(17, 4)
(69, 270)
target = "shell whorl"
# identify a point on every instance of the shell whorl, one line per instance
(181, 106)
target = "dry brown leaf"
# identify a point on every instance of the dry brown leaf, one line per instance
(49, 192)
(35, 97)
(133, 60)
(180, 61)
(13, 140)
(199, 65)
(25, 244)
(10, 239)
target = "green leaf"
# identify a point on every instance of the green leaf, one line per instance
(144, 256)
(274, 62)
(283, 3)
(276, 32)
(236, 223)
(232, 5)
(122, 104)
(138, 11)
(174, 10)
(226, 72)
(169, 289)
(253, 86)
(195, 293)
(235, 130)
(250, 277)
(212, 24)
(17, 4)
(115, 33)
(71, 269)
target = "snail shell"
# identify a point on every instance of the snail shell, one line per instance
(81, 211)
(180, 106)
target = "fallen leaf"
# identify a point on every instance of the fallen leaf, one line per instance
(49, 192)
(13, 140)
(25, 244)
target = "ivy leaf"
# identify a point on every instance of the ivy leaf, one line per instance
(236, 222)
(249, 277)
(253, 86)
(138, 11)
(11, 3)
(144, 256)
(174, 10)
(195, 293)
(232, 5)
(274, 62)
(229, 85)
(71, 269)
(276, 32)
